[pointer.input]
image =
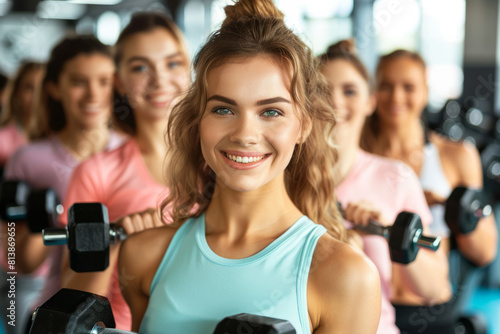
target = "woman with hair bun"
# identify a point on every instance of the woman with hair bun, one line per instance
(396, 131)
(251, 153)
(372, 187)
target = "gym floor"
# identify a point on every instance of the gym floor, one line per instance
(487, 302)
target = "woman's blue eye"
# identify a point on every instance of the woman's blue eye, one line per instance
(271, 113)
(350, 92)
(222, 111)
(174, 64)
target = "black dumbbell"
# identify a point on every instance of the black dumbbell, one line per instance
(78, 312)
(471, 324)
(88, 236)
(404, 236)
(39, 208)
(464, 208)
(490, 160)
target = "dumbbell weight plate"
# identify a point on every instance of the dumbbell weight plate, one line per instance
(248, 323)
(13, 195)
(72, 311)
(43, 208)
(403, 237)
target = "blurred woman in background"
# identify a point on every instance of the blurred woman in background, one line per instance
(396, 131)
(152, 74)
(17, 108)
(71, 124)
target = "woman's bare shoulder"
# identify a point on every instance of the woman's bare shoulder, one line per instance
(463, 155)
(142, 253)
(342, 283)
(337, 261)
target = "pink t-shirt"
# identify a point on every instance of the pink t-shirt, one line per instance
(392, 187)
(121, 181)
(11, 138)
(48, 164)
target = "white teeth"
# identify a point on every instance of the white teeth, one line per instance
(244, 160)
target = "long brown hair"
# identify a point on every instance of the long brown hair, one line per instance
(11, 109)
(252, 28)
(371, 128)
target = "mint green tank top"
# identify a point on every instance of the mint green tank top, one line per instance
(194, 288)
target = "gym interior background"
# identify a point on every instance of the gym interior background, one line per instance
(460, 42)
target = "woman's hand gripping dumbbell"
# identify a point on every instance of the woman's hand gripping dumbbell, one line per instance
(464, 208)
(404, 236)
(89, 234)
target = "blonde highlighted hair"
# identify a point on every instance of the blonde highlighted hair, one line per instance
(253, 28)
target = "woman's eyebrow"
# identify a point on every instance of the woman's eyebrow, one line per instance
(259, 103)
(222, 99)
(272, 100)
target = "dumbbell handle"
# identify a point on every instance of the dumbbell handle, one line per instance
(102, 330)
(59, 236)
(16, 212)
(420, 240)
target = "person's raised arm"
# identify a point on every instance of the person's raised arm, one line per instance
(142, 268)
(480, 245)
(427, 276)
(30, 250)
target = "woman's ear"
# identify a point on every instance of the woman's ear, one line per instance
(306, 129)
(53, 90)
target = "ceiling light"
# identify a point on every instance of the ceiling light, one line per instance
(60, 10)
(95, 2)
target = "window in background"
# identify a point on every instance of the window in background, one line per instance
(441, 45)
(396, 24)
(108, 27)
(318, 22)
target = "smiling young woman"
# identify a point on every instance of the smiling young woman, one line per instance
(249, 173)
(152, 74)
(70, 123)
(373, 187)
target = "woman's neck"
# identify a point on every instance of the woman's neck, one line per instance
(151, 141)
(151, 138)
(348, 147)
(83, 143)
(400, 141)
(264, 211)
(403, 143)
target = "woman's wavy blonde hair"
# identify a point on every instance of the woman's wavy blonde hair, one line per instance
(252, 28)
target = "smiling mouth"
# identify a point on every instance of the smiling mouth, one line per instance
(245, 159)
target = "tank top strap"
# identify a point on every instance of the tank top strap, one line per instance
(303, 274)
(432, 176)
